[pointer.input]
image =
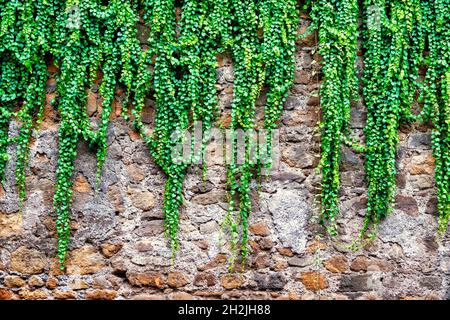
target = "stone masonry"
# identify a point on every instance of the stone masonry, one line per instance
(118, 250)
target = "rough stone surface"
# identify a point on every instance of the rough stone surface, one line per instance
(85, 260)
(146, 279)
(64, 294)
(101, 295)
(273, 281)
(10, 224)
(144, 200)
(28, 261)
(290, 213)
(231, 281)
(13, 281)
(118, 249)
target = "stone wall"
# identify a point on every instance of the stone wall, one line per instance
(118, 250)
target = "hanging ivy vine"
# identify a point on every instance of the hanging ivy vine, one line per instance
(437, 99)
(337, 26)
(171, 113)
(92, 37)
(395, 44)
(394, 38)
(26, 34)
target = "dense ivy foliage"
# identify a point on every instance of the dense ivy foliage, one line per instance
(185, 87)
(394, 38)
(257, 62)
(437, 99)
(94, 45)
(337, 26)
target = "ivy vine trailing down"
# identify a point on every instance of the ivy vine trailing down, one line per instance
(83, 37)
(184, 81)
(92, 36)
(437, 99)
(394, 38)
(337, 25)
(394, 47)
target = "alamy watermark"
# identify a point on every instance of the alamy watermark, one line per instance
(214, 146)
(374, 17)
(73, 17)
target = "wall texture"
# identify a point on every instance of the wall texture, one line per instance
(118, 250)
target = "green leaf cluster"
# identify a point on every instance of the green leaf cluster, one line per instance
(398, 38)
